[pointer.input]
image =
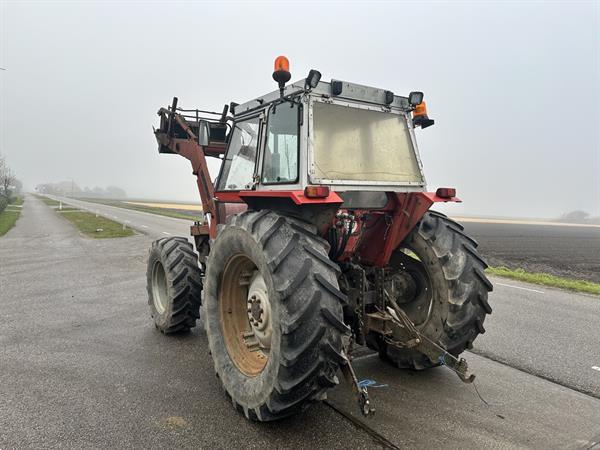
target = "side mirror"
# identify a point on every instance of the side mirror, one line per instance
(203, 133)
(312, 80)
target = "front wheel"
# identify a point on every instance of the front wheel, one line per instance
(273, 314)
(439, 281)
(174, 283)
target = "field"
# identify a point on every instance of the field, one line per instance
(563, 251)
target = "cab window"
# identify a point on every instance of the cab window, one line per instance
(238, 166)
(281, 148)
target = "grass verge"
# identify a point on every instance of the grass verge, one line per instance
(8, 218)
(17, 201)
(178, 214)
(48, 201)
(546, 279)
(95, 227)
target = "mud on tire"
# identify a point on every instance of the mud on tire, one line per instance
(174, 283)
(305, 307)
(460, 289)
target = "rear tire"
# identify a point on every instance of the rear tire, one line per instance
(459, 287)
(305, 312)
(174, 283)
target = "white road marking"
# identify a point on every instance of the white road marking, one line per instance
(144, 226)
(519, 287)
(596, 368)
(164, 232)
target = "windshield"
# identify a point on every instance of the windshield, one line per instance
(238, 166)
(362, 145)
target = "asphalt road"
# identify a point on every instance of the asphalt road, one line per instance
(82, 366)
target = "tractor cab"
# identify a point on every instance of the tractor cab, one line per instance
(342, 135)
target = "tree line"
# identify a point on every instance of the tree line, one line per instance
(72, 189)
(10, 186)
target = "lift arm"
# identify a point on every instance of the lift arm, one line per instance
(178, 133)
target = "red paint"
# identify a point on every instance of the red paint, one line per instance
(380, 232)
(297, 197)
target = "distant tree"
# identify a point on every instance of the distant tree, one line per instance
(574, 216)
(114, 192)
(7, 178)
(18, 185)
(68, 188)
(97, 191)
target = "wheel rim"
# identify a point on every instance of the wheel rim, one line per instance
(245, 315)
(416, 296)
(159, 287)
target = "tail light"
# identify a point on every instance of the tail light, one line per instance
(446, 192)
(316, 191)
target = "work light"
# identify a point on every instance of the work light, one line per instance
(415, 98)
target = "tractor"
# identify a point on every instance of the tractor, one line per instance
(316, 237)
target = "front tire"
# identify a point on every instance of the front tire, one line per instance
(454, 278)
(273, 374)
(174, 284)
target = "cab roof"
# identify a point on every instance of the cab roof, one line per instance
(334, 89)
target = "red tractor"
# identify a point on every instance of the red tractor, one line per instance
(317, 236)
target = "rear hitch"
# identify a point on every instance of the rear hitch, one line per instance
(421, 343)
(361, 392)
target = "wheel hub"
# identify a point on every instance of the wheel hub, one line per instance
(402, 286)
(259, 310)
(159, 287)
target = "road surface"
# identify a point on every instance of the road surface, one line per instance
(82, 365)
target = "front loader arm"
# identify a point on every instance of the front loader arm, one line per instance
(178, 134)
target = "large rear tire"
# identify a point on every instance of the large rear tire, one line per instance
(174, 283)
(451, 280)
(273, 314)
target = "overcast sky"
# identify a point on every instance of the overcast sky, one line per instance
(514, 87)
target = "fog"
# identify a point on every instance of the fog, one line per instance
(514, 88)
